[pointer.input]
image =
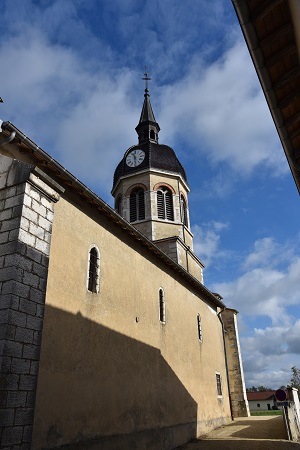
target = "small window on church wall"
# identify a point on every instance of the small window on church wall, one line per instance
(219, 384)
(199, 327)
(94, 268)
(162, 306)
(184, 216)
(137, 205)
(165, 204)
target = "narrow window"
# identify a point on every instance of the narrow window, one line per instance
(118, 204)
(152, 134)
(137, 205)
(184, 216)
(165, 204)
(94, 266)
(162, 306)
(258, 405)
(219, 385)
(199, 327)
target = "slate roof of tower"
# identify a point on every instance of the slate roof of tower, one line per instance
(157, 156)
(147, 114)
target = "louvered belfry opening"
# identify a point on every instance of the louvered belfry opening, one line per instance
(165, 204)
(93, 270)
(137, 205)
(184, 216)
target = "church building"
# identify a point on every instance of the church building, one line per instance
(109, 338)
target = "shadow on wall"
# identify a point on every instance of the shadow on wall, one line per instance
(100, 389)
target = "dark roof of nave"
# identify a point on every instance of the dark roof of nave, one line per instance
(157, 156)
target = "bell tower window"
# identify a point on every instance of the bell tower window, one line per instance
(165, 204)
(184, 215)
(152, 134)
(137, 205)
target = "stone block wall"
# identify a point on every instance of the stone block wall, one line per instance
(239, 402)
(26, 214)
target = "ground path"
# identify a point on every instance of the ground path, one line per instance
(246, 433)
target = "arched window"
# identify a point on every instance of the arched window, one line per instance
(199, 328)
(152, 134)
(137, 205)
(94, 268)
(184, 215)
(162, 306)
(165, 204)
(118, 204)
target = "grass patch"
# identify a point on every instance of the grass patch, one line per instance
(275, 412)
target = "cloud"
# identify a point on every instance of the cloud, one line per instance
(269, 354)
(223, 114)
(207, 241)
(267, 292)
(83, 109)
(268, 253)
(78, 116)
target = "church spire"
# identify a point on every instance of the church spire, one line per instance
(147, 128)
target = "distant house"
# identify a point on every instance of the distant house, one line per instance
(261, 401)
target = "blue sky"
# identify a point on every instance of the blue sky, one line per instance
(71, 80)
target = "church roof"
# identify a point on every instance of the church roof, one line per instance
(147, 114)
(157, 156)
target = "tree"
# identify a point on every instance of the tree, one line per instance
(264, 389)
(295, 379)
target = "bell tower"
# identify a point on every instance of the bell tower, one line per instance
(150, 189)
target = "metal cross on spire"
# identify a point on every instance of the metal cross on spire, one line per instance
(146, 78)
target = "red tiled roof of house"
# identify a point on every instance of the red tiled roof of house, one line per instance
(260, 395)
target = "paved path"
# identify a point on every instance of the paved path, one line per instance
(246, 433)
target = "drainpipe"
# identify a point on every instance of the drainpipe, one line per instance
(226, 362)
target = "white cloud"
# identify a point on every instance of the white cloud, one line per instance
(267, 293)
(77, 116)
(268, 253)
(207, 241)
(223, 114)
(269, 354)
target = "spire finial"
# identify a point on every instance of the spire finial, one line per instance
(146, 78)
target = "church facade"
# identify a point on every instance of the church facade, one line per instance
(109, 338)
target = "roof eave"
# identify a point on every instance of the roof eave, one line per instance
(253, 43)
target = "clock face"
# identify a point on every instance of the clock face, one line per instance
(135, 158)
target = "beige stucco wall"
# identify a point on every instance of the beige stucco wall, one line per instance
(108, 366)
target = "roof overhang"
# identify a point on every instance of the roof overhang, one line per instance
(272, 32)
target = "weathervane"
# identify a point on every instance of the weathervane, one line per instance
(146, 78)
(1, 100)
